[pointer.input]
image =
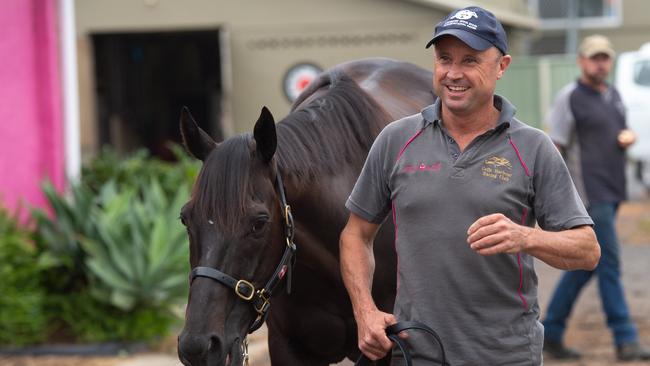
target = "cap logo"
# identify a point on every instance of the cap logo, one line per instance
(461, 19)
(464, 15)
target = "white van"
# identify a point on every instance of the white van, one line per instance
(633, 82)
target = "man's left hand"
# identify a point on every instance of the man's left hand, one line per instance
(626, 138)
(495, 233)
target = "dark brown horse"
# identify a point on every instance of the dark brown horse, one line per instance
(241, 236)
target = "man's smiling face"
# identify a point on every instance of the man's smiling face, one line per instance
(465, 78)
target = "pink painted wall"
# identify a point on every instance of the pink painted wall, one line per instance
(31, 124)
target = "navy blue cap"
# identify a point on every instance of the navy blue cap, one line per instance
(475, 26)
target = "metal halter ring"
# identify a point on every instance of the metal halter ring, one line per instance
(265, 304)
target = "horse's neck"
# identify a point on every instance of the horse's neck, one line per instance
(319, 208)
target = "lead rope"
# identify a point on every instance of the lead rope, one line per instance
(392, 332)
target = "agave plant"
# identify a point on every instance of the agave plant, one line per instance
(59, 234)
(113, 253)
(139, 256)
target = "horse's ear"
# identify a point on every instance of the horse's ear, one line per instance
(196, 141)
(265, 136)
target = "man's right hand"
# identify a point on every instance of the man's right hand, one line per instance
(371, 327)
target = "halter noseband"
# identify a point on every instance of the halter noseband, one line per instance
(245, 290)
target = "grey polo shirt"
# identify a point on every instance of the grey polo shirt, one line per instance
(586, 123)
(484, 308)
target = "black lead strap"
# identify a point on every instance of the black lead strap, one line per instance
(289, 230)
(392, 332)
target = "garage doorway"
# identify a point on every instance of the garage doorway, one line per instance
(144, 79)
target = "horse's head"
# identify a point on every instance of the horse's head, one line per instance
(238, 230)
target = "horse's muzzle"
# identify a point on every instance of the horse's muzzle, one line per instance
(198, 350)
(208, 350)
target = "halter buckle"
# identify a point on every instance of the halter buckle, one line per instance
(246, 285)
(264, 307)
(287, 215)
(288, 220)
(291, 245)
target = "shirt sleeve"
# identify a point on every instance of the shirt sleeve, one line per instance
(557, 203)
(560, 122)
(620, 107)
(370, 197)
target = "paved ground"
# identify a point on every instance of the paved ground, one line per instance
(587, 331)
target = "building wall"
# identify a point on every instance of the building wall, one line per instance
(632, 31)
(266, 38)
(31, 140)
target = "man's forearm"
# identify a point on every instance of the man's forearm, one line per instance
(357, 269)
(568, 250)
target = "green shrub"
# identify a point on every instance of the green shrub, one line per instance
(58, 237)
(140, 257)
(137, 169)
(114, 255)
(87, 319)
(21, 298)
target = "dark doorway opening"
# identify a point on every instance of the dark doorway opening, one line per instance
(144, 79)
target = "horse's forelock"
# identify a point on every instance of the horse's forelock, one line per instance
(222, 185)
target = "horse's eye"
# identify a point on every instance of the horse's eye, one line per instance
(182, 218)
(259, 224)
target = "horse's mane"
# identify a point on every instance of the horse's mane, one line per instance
(333, 130)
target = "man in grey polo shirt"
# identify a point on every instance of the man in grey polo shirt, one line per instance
(465, 182)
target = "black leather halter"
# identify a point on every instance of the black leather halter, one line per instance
(245, 290)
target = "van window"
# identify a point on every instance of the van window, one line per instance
(642, 72)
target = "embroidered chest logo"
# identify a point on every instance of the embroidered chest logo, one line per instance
(497, 168)
(422, 167)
